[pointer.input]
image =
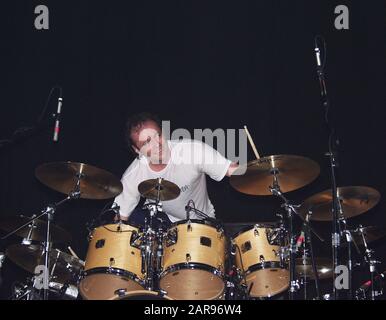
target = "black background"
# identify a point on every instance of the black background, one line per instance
(199, 64)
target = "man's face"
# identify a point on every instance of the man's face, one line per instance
(148, 141)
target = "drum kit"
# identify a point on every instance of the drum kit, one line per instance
(193, 259)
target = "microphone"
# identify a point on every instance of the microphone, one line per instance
(320, 72)
(2, 258)
(55, 137)
(317, 55)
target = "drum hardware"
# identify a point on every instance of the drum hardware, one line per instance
(49, 212)
(291, 211)
(307, 242)
(361, 292)
(371, 262)
(346, 234)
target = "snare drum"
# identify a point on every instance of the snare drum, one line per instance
(258, 256)
(112, 263)
(194, 261)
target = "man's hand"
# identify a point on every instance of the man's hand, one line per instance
(232, 168)
(118, 218)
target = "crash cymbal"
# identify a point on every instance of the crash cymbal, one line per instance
(324, 267)
(371, 234)
(293, 172)
(30, 256)
(167, 190)
(39, 229)
(354, 201)
(95, 183)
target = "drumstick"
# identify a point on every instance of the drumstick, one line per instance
(251, 142)
(72, 252)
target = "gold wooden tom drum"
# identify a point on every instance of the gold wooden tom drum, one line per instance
(193, 261)
(258, 257)
(112, 264)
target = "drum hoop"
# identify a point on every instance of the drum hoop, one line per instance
(126, 223)
(151, 293)
(193, 266)
(262, 225)
(214, 225)
(265, 265)
(113, 271)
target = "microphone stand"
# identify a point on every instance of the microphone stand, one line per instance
(333, 143)
(275, 190)
(306, 226)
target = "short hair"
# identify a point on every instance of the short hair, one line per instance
(136, 121)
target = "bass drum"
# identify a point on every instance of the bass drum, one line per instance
(194, 261)
(112, 263)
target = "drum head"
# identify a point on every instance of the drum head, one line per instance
(196, 284)
(103, 286)
(267, 282)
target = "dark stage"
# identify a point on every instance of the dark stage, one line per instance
(200, 65)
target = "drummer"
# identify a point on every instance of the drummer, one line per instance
(184, 162)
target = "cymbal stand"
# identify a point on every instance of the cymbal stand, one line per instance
(49, 211)
(346, 233)
(371, 262)
(308, 241)
(290, 209)
(150, 241)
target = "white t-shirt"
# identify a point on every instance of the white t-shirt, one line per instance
(190, 160)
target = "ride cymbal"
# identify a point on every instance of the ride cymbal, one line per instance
(292, 172)
(354, 201)
(94, 183)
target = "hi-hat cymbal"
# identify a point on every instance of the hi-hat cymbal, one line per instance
(154, 188)
(38, 232)
(292, 172)
(324, 268)
(95, 183)
(29, 257)
(354, 201)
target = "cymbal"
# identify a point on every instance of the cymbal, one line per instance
(293, 172)
(324, 267)
(30, 256)
(167, 190)
(354, 201)
(95, 183)
(371, 234)
(58, 234)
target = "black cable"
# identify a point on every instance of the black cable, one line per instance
(40, 118)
